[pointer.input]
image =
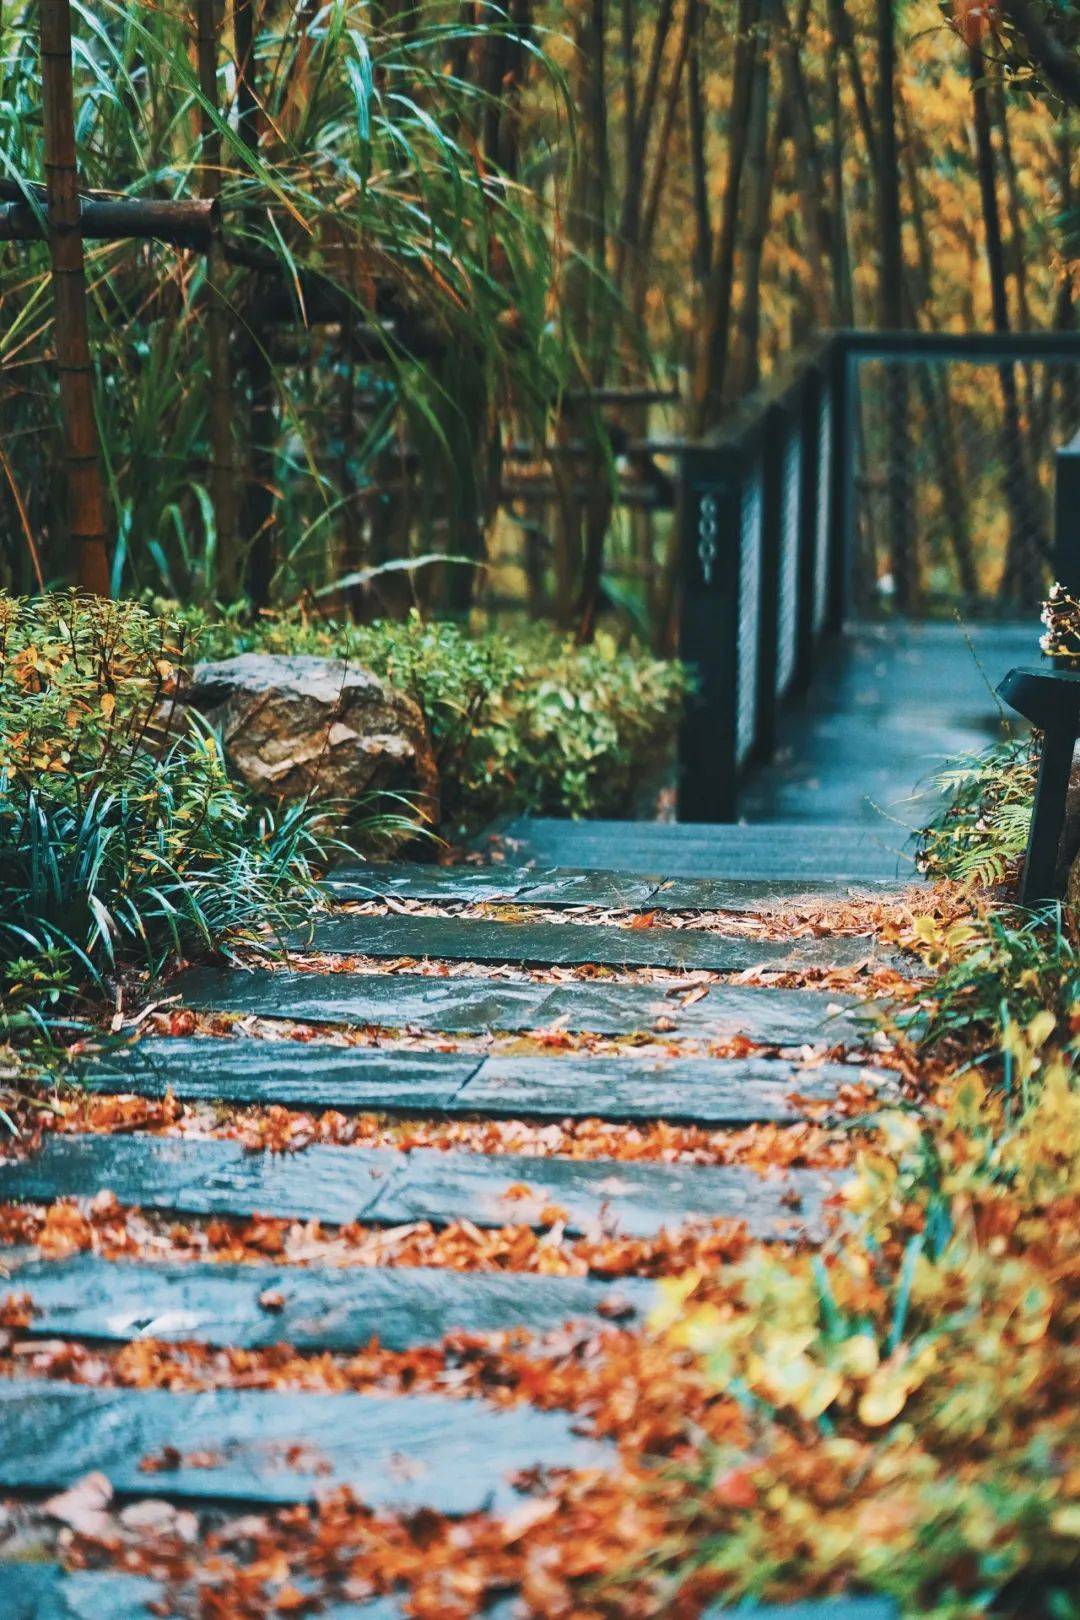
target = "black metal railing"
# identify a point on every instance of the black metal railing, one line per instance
(780, 535)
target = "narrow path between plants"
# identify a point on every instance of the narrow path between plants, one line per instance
(385, 1221)
(330, 1292)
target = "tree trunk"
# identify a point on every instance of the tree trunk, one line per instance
(763, 146)
(809, 173)
(654, 189)
(841, 267)
(259, 505)
(639, 119)
(902, 546)
(840, 24)
(223, 471)
(580, 532)
(87, 518)
(937, 402)
(699, 167)
(717, 293)
(1022, 576)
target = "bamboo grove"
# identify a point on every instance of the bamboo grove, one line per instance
(404, 281)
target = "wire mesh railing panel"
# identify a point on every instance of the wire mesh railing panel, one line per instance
(750, 543)
(823, 512)
(953, 480)
(788, 581)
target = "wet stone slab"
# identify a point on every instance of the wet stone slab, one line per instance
(47, 1592)
(567, 886)
(701, 1091)
(294, 1075)
(695, 1091)
(398, 1453)
(339, 1309)
(469, 1006)
(476, 939)
(627, 1199)
(338, 1185)
(786, 853)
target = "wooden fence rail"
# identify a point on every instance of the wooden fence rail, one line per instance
(766, 515)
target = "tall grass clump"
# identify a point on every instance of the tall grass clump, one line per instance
(123, 844)
(387, 289)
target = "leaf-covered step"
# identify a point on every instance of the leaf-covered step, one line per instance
(396, 1452)
(774, 852)
(703, 1091)
(558, 886)
(340, 1309)
(47, 1592)
(336, 1185)
(471, 1006)
(464, 939)
(711, 1092)
(312, 1074)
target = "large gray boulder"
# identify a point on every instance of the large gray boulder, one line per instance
(294, 726)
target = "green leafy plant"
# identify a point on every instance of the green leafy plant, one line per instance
(981, 832)
(121, 846)
(529, 722)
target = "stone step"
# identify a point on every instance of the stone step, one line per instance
(564, 886)
(781, 852)
(338, 1309)
(313, 1075)
(396, 1452)
(466, 1005)
(478, 939)
(385, 1187)
(47, 1592)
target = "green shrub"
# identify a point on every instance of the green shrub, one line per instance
(121, 846)
(981, 831)
(529, 722)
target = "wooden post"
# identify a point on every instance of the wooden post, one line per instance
(1050, 699)
(1067, 516)
(223, 473)
(773, 431)
(708, 517)
(87, 515)
(259, 504)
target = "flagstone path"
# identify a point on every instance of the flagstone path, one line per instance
(488, 1039)
(692, 1048)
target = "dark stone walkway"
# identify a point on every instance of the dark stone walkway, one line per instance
(894, 704)
(687, 1047)
(45, 1592)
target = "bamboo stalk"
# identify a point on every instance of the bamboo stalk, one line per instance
(223, 470)
(87, 518)
(259, 505)
(185, 224)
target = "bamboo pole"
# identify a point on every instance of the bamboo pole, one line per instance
(224, 482)
(87, 517)
(259, 504)
(185, 224)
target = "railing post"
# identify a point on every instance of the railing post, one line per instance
(841, 504)
(773, 430)
(810, 399)
(1067, 516)
(708, 514)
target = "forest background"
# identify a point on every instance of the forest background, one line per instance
(480, 269)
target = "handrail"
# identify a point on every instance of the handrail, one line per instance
(764, 513)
